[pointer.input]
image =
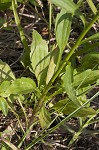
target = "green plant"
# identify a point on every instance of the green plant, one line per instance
(55, 74)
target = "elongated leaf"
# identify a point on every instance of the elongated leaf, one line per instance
(63, 24)
(5, 72)
(25, 59)
(70, 7)
(51, 70)
(9, 144)
(93, 37)
(44, 117)
(63, 28)
(92, 6)
(90, 60)
(52, 65)
(85, 78)
(67, 84)
(87, 48)
(79, 2)
(3, 106)
(22, 86)
(67, 107)
(39, 57)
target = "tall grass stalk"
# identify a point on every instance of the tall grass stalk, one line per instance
(26, 56)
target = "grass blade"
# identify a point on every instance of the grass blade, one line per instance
(26, 56)
(61, 123)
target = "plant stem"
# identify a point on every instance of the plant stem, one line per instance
(26, 134)
(76, 135)
(61, 123)
(50, 22)
(26, 56)
(26, 119)
(16, 115)
(12, 146)
(41, 100)
(68, 56)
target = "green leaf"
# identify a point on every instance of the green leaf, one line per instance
(85, 78)
(92, 6)
(39, 57)
(70, 7)
(4, 148)
(44, 117)
(25, 59)
(5, 72)
(66, 107)
(90, 61)
(5, 4)
(3, 106)
(93, 37)
(97, 83)
(67, 84)
(22, 86)
(83, 98)
(87, 47)
(63, 24)
(3, 87)
(52, 65)
(51, 70)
